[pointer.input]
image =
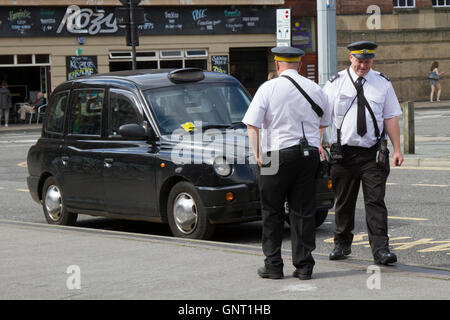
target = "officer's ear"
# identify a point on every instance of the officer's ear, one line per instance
(299, 67)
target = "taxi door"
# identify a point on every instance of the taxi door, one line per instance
(83, 149)
(129, 164)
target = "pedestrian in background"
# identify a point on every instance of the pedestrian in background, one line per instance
(5, 102)
(26, 108)
(434, 77)
(365, 107)
(280, 119)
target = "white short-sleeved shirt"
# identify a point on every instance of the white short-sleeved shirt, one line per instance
(279, 109)
(379, 94)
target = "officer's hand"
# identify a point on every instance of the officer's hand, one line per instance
(322, 153)
(259, 161)
(397, 158)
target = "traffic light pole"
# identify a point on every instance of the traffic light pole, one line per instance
(133, 44)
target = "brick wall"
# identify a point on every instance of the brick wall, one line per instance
(302, 8)
(360, 6)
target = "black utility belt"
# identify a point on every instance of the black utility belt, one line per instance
(360, 149)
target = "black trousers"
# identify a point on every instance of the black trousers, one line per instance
(296, 182)
(359, 166)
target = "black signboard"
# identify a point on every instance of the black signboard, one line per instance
(219, 64)
(97, 20)
(79, 66)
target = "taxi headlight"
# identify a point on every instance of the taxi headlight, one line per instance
(221, 167)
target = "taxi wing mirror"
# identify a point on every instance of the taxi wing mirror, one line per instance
(133, 131)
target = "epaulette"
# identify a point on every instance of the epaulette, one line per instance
(334, 77)
(385, 76)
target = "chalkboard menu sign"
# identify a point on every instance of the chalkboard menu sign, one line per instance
(219, 64)
(79, 66)
(101, 20)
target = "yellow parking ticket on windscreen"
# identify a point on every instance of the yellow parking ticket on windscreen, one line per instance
(188, 126)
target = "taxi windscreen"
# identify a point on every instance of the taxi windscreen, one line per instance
(180, 106)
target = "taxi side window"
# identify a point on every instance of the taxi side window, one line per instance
(55, 112)
(86, 114)
(122, 110)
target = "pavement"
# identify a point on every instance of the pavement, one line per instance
(45, 262)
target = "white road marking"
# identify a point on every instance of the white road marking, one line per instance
(298, 288)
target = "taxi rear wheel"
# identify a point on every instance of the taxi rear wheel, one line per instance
(53, 204)
(186, 215)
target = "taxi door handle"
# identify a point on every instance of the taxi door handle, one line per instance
(108, 163)
(64, 160)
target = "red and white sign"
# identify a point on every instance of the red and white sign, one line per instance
(283, 27)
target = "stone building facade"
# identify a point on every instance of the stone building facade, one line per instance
(410, 36)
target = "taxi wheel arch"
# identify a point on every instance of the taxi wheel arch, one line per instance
(53, 206)
(186, 214)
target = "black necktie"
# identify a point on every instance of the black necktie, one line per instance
(361, 115)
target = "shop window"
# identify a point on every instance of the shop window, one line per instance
(120, 55)
(441, 3)
(168, 54)
(42, 58)
(146, 55)
(404, 3)
(171, 64)
(202, 64)
(24, 59)
(7, 59)
(147, 64)
(163, 59)
(119, 65)
(303, 34)
(196, 53)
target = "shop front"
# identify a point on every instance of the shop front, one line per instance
(42, 46)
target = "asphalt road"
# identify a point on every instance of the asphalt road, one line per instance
(418, 201)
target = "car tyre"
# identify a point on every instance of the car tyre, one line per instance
(53, 204)
(321, 215)
(186, 214)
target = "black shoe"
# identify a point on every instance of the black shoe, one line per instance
(263, 272)
(302, 276)
(340, 252)
(384, 257)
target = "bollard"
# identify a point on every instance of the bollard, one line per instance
(408, 127)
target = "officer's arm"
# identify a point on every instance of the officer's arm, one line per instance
(253, 136)
(393, 130)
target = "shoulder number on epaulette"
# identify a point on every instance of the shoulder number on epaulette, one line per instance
(385, 76)
(334, 77)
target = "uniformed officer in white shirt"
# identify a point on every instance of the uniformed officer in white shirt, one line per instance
(278, 117)
(364, 108)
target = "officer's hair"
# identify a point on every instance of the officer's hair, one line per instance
(291, 64)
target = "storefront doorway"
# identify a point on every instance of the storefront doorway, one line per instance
(249, 66)
(26, 75)
(24, 84)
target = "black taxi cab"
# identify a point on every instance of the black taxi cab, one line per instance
(154, 145)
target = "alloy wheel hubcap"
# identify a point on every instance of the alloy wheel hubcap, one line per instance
(185, 213)
(53, 203)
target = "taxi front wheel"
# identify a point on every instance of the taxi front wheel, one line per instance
(186, 214)
(53, 205)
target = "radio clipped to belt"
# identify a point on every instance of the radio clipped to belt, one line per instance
(305, 149)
